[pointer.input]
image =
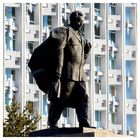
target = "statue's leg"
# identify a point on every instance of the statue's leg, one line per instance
(82, 105)
(55, 111)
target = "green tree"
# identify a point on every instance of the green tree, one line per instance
(19, 124)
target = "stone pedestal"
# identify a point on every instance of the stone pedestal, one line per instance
(74, 132)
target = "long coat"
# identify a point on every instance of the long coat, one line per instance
(66, 55)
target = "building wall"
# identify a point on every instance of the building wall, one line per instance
(110, 68)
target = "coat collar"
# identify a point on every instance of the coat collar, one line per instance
(76, 34)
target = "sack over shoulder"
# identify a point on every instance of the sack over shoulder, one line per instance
(42, 63)
(43, 60)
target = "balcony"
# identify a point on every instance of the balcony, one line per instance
(112, 46)
(130, 52)
(130, 106)
(98, 18)
(11, 84)
(130, 78)
(32, 32)
(100, 101)
(115, 77)
(130, 132)
(10, 23)
(11, 59)
(98, 71)
(49, 9)
(129, 25)
(100, 46)
(32, 88)
(98, 124)
(113, 21)
(115, 127)
(116, 103)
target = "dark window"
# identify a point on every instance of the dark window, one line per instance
(113, 7)
(30, 78)
(82, 4)
(112, 36)
(97, 5)
(97, 60)
(13, 12)
(13, 74)
(49, 20)
(97, 32)
(63, 10)
(14, 41)
(31, 47)
(31, 14)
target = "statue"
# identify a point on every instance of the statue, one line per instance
(67, 86)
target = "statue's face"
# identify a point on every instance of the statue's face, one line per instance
(78, 23)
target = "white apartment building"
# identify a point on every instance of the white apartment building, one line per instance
(110, 68)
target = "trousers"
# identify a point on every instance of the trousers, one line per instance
(73, 94)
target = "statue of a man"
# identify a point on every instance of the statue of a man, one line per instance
(69, 80)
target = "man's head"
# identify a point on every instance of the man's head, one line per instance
(76, 20)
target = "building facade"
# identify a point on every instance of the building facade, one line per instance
(110, 68)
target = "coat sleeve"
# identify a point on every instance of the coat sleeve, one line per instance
(87, 48)
(59, 34)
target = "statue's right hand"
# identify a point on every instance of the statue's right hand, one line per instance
(55, 89)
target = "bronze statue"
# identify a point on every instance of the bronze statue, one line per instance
(67, 86)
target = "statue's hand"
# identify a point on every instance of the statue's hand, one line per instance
(55, 89)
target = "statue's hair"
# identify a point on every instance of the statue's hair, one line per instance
(75, 15)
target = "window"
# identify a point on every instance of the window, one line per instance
(112, 36)
(63, 20)
(14, 41)
(7, 98)
(82, 4)
(7, 37)
(30, 105)
(31, 47)
(36, 94)
(63, 10)
(112, 7)
(45, 108)
(13, 12)
(49, 20)
(97, 86)
(30, 78)
(118, 78)
(45, 21)
(97, 5)
(97, 115)
(113, 63)
(31, 13)
(13, 74)
(78, 5)
(8, 73)
(97, 60)
(97, 31)
(113, 117)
